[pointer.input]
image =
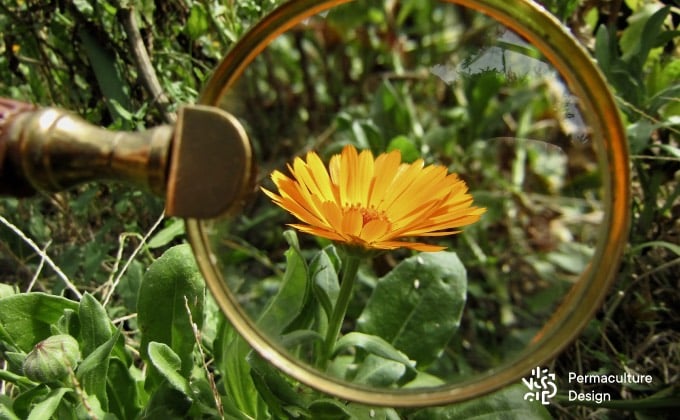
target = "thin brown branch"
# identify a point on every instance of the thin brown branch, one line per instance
(141, 57)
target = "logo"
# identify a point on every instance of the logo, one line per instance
(541, 386)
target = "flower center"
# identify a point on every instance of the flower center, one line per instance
(372, 214)
(369, 214)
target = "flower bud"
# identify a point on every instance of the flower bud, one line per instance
(52, 359)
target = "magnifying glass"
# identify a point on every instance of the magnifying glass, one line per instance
(495, 91)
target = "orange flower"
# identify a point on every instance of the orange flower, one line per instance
(373, 203)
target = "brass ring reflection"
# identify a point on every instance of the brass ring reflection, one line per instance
(582, 76)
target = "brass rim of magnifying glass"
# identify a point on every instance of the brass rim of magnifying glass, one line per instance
(583, 78)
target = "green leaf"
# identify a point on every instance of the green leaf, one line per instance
(166, 235)
(15, 360)
(367, 134)
(169, 365)
(95, 326)
(640, 134)
(167, 404)
(128, 288)
(374, 345)
(324, 280)
(418, 305)
(666, 96)
(161, 310)
(641, 33)
(231, 351)
(105, 66)
(327, 409)
(121, 390)
(289, 301)
(378, 372)
(24, 402)
(93, 371)
(89, 408)
(11, 377)
(84, 7)
(6, 412)
(408, 149)
(298, 337)
(7, 290)
(273, 387)
(508, 403)
(198, 23)
(25, 318)
(656, 244)
(67, 324)
(390, 112)
(605, 49)
(424, 380)
(47, 407)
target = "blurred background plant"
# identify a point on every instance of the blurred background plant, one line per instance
(79, 55)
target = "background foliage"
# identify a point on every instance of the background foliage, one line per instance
(77, 55)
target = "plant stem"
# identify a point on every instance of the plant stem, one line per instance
(350, 268)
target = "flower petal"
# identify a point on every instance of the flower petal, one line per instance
(374, 203)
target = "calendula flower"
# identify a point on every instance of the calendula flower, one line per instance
(374, 203)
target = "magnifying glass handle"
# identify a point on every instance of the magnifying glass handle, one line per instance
(50, 149)
(202, 165)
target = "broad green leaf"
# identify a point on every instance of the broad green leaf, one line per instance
(417, 306)
(167, 403)
(174, 228)
(328, 409)
(374, 345)
(198, 23)
(169, 365)
(47, 407)
(161, 307)
(231, 351)
(273, 387)
(95, 326)
(656, 244)
(67, 324)
(407, 147)
(104, 64)
(90, 408)
(634, 5)
(605, 49)
(390, 113)
(6, 412)
(640, 35)
(25, 318)
(128, 288)
(640, 134)
(11, 377)
(7, 290)
(93, 370)
(121, 390)
(508, 403)
(15, 360)
(379, 372)
(84, 7)
(425, 380)
(366, 134)
(667, 96)
(292, 295)
(23, 403)
(324, 280)
(298, 337)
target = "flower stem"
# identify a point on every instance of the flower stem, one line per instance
(350, 269)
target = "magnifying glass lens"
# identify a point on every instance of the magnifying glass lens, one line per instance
(444, 87)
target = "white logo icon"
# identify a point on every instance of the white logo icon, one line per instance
(541, 386)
